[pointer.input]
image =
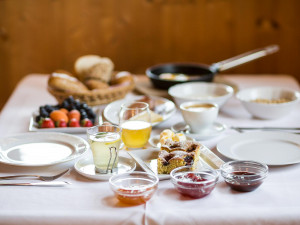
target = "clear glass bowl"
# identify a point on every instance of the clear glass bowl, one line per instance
(195, 184)
(244, 175)
(134, 188)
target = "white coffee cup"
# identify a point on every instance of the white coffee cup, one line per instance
(199, 116)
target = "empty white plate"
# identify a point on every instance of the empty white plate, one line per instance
(271, 148)
(41, 148)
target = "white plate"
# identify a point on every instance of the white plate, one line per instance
(86, 168)
(41, 148)
(271, 148)
(154, 141)
(149, 159)
(215, 130)
(33, 125)
(111, 111)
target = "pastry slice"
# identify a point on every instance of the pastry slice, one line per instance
(186, 146)
(167, 161)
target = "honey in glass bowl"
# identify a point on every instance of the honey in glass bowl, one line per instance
(134, 188)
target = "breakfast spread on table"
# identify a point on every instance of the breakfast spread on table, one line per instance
(189, 164)
(193, 168)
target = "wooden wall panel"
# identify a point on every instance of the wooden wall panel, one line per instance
(41, 36)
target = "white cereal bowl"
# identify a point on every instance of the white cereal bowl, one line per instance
(202, 92)
(268, 108)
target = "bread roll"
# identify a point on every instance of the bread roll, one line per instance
(64, 72)
(66, 83)
(95, 84)
(122, 77)
(94, 66)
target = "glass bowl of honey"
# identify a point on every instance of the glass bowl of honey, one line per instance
(134, 188)
(243, 175)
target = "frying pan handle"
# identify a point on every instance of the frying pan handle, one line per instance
(243, 58)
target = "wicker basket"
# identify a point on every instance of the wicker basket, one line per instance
(95, 97)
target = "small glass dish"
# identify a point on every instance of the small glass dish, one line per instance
(244, 176)
(134, 188)
(195, 184)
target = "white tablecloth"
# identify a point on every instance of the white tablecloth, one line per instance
(86, 201)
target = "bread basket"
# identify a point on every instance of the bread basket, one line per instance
(97, 96)
(95, 82)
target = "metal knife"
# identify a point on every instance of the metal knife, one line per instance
(41, 184)
(141, 163)
(266, 128)
(288, 129)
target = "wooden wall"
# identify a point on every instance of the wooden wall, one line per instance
(39, 36)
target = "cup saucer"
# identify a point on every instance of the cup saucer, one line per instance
(86, 168)
(215, 130)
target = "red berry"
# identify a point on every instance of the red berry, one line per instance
(61, 123)
(47, 123)
(86, 123)
(190, 176)
(74, 123)
(194, 177)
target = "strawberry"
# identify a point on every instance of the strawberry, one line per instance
(86, 123)
(61, 123)
(74, 123)
(47, 123)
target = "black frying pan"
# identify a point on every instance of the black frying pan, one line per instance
(202, 72)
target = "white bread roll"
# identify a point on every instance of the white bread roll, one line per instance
(94, 66)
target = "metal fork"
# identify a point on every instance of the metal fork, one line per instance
(43, 178)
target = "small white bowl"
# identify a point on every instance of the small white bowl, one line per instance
(268, 108)
(204, 92)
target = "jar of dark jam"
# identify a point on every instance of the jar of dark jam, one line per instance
(244, 176)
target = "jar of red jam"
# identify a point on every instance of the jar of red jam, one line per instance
(195, 184)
